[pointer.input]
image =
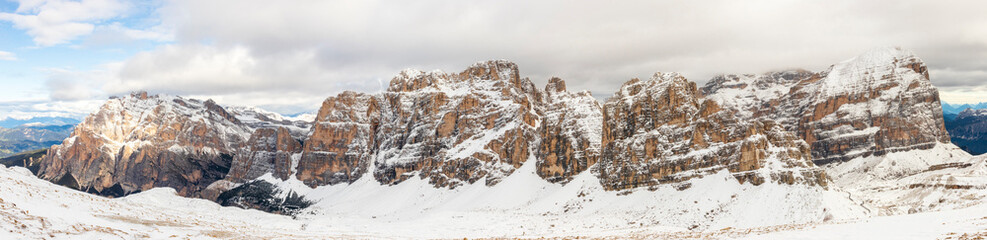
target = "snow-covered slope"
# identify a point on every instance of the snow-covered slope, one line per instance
(483, 153)
(875, 124)
(257, 118)
(31, 208)
(415, 209)
(941, 178)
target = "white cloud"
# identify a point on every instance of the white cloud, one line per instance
(322, 47)
(53, 22)
(289, 55)
(117, 35)
(72, 85)
(7, 56)
(30, 109)
(960, 95)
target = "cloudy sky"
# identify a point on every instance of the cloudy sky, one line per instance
(60, 57)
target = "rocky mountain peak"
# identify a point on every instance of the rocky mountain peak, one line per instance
(570, 133)
(758, 82)
(493, 70)
(413, 80)
(659, 84)
(485, 122)
(878, 68)
(874, 103)
(554, 85)
(142, 141)
(450, 128)
(499, 74)
(139, 94)
(663, 131)
(662, 77)
(970, 112)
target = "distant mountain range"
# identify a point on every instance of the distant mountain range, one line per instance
(954, 109)
(37, 121)
(968, 130)
(28, 137)
(966, 126)
(20, 135)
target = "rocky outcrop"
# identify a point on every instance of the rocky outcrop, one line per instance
(269, 150)
(482, 124)
(873, 104)
(256, 118)
(456, 128)
(338, 150)
(662, 131)
(569, 134)
(140, 141)
(448, 128)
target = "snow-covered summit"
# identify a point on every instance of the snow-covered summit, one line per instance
(486, 73)
(256, 118)
(970, 112)
(136, 142)
(880, 101)
(888, 67)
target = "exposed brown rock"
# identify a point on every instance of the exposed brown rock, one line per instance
(269, 150)
(457, 128)
(339, 147)
(139, 142)
(569, 133)
(874, 104)
(662, 131)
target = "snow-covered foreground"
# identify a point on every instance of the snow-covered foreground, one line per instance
(522, 205)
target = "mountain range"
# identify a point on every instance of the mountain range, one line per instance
(865, 137)
(949, 108)
(31, 137)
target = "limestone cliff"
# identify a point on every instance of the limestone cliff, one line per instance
(662, 131)
(873, 104)
(138, 142)
(570, 132)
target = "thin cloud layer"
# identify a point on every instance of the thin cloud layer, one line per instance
(7, 56)
(60, 21)
(289, 55)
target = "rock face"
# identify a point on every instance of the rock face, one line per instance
(662, 131)
(457, 128)
(138, 142)
(256, 118)
(269, 150)
(873, 104)
(338, 150)
(449, 128)
(570, 132)
(482, 124)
